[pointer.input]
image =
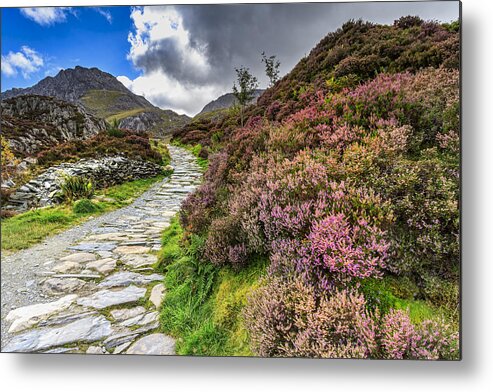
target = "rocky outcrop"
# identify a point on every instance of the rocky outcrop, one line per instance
(226, 101)
(32, 123)
(158, 122)
(44, 189)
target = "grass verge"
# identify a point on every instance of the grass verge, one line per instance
(27, 229)
(203, 304)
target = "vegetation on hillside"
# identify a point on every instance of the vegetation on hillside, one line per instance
(345, 178)
(135, 145)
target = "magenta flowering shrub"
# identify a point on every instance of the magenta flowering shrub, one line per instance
(367, 160)
(224, 243)
(198, 209)
(400, 339)
(289, 318)
(333, 254)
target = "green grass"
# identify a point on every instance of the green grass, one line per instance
(160, 146)
(100, 102)
(203, 303)
(32, 227)
(121, 115)
(195, 150)
(399, 293)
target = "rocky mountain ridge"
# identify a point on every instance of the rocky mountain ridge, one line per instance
(102, 95)
(72, 84)
(31, 123)
(226, 101)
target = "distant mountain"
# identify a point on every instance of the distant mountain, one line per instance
(31, 123)
(226, 101)
(103, 95)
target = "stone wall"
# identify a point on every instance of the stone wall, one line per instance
(42, 191)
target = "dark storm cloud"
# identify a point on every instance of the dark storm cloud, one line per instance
(235, 34)
(165, 55)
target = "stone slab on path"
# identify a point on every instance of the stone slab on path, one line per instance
(57, 286)
(106, 298)
(138, 260)
(126, 278)
(131, 249)
(86, 330)
(79, 257)
(103, 266)
(157, 295)
(125, 314)
(28, 316)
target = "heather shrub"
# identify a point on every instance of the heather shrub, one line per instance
(127, 143)
(425, 197)
(333, 253)
(400, 339)
(224, 244)
(289, 318)
(200, 207)
(346, 172)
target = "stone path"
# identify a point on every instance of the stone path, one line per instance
(98, 293)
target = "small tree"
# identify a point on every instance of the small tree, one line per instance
(271, 68)
(245, 91)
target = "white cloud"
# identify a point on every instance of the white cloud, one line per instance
(106, 14)
(26, 61)
(169, 93)
(46, 16)
(174, 72)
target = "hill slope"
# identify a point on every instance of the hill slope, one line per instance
(345, 182)
(104, 96)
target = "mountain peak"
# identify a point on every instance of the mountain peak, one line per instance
(72, 84)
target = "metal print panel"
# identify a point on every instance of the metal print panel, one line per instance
(269, 180)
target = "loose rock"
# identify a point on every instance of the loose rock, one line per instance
(157, 295)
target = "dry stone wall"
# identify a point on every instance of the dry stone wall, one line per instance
(43, 190)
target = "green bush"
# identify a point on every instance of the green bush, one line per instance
(84, 206)
(75, 188)
(115, 132)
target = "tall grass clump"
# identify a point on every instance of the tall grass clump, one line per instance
(76, 187)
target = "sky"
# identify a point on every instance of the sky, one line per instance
(180, 57)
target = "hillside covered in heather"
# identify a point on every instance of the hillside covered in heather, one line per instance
(328, 225)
